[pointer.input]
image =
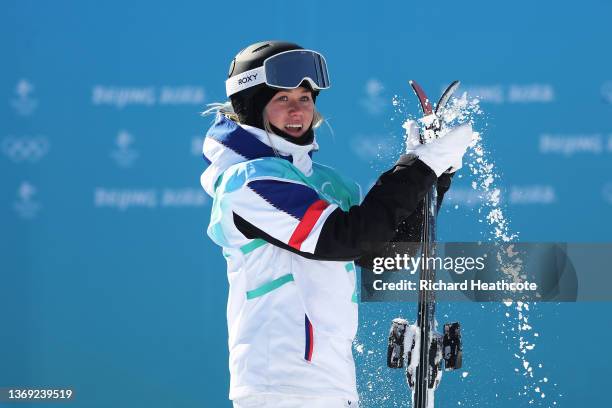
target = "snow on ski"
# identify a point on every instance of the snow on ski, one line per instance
(420, 345)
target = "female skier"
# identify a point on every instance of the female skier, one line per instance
(291, 229)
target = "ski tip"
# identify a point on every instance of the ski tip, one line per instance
(410, 82)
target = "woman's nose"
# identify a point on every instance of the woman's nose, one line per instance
(294, 106)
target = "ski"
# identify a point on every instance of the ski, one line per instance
(425, 378)
(446, 95)
(420, 345)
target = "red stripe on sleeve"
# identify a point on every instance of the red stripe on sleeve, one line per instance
(308, 222)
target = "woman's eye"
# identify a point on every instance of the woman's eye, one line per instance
(305, 98)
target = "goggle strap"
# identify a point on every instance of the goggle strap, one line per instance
(245, 80)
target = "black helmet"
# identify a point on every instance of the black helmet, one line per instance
(250, 86)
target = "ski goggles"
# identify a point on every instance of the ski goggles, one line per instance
(286, 70)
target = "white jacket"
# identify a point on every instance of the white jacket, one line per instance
(291, 317)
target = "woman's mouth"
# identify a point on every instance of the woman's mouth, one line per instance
(294, 126)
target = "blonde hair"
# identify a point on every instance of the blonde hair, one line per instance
(224, 108)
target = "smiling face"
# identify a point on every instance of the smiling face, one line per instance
(291, 111)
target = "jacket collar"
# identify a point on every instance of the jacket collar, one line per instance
(228, 143)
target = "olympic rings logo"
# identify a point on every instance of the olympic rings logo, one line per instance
(30, 149)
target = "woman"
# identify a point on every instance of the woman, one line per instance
(291, 228)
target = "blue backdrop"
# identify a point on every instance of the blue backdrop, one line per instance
(108, 282)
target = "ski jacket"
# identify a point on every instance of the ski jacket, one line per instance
(290, 230)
